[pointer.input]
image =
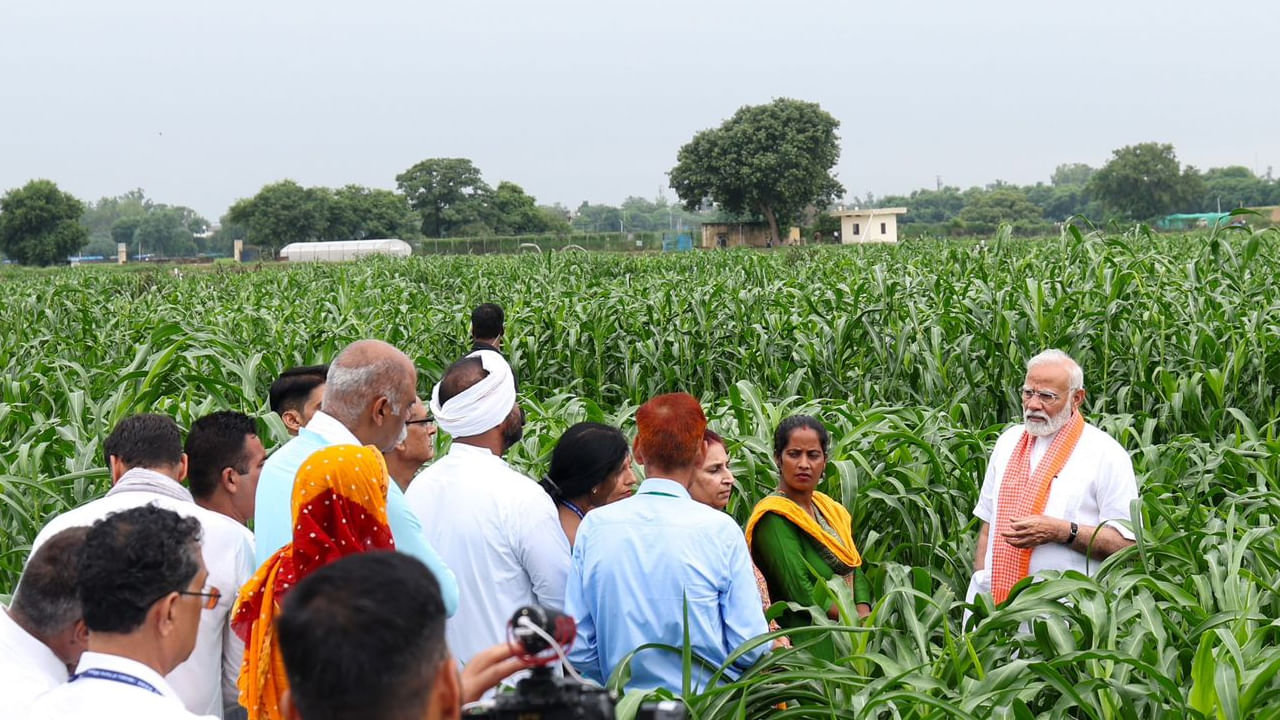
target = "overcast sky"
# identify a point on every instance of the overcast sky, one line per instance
(203, 102)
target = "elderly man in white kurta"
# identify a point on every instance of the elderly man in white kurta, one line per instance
(1057, 491)
(496, 528)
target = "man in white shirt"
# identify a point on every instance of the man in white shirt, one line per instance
(143, 587)
(496, 528)
(224, 461)
(147, 464)
(1057, 490)
(42, 633)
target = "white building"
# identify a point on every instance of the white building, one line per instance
(871, 225)
(340, 250)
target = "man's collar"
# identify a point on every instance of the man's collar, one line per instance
(33, 649)
(469, 450)
(121, 664)
(144, 480)
(331, 429)
(663, 486)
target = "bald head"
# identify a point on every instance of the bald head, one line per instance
(371, 388)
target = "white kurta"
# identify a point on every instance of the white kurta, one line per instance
(500, 533)
(101, 699)
(208, 677)
(1095, 485)
(28, 668)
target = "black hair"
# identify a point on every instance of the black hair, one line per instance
(46, 596)
(782, 435)
(291, 390)
(216, 441)
(145, 441)
(363, 637)
(460, 376)
(487, 321)
(131, 559)
(586, 455)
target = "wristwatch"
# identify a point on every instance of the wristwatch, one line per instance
(1071, 537)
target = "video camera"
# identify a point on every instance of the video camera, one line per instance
(544, 636)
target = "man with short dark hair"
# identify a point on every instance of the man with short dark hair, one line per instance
(42, 633)
(370, 392)
(147, 465)
(488, 324)
(143, 587)
(688, 560)
(363, 639)
(495, 527)
(297, 394)
(224, 459)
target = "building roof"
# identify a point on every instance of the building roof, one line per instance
(868, 212)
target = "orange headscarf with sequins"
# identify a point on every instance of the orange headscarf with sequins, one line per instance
(339, 509)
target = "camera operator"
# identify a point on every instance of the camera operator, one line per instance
(363, 638)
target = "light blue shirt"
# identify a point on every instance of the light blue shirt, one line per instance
(634, 564)
(273, 508)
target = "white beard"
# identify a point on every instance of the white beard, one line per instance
(1040, 424)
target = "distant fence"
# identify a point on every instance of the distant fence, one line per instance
(613, 242)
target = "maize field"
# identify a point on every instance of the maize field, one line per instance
(912, 355)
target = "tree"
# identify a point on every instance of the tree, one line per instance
(772, 160)
(1071, 174)
(40, 224)
(1145, 181)
(447, 192)
(988, 209)
(281, 213)
(511, 211)
(1233, 187)
(164, 232)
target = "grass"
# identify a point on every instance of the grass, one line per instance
(910, 354)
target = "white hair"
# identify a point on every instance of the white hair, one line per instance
(348, 389)
(1075, 375)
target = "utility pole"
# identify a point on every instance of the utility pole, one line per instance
(939, 181)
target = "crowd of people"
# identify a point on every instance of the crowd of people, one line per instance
(371, 586)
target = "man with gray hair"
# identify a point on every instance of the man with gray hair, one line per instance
(370, 391)
(1057, 489)
(42, 634)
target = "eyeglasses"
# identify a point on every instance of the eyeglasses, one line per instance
(1045, 396)
(421, 421)
(212, 597)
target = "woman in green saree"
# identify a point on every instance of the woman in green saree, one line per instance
(799, 535)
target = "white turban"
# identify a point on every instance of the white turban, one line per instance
(482, 406)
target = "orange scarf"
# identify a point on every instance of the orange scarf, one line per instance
(1023, 494)
(339, 509)
(837, 517)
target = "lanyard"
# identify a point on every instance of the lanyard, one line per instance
(655, 492)
(113, 676)
(576, 510)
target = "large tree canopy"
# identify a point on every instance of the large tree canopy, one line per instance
(1145, 181)
(281, 213)
(40, 224)
(772, 160)
(448, 192)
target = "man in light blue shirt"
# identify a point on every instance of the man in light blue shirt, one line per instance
(370, 391)
(639, 562)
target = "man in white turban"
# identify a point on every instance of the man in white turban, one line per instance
(496, 528)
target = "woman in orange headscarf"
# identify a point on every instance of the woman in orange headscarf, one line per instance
(339, 509)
